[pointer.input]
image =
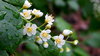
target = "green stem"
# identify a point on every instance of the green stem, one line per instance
(32, 19)
(69, 41)
(67, 38)
(39, 29)
(20, 9)
(42, 25)
(26, 20)
(30, 22)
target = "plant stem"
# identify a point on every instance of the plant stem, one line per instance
(20, 9)
(30, 22)
(26, 20)
(69, 41)
(42, 25)
(39, 29)
(33, 19)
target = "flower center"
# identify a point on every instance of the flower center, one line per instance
(25, 13)
(58, 41)
(44, 34)
(29, 29)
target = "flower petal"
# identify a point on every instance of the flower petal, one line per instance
(29, 34)
(28, 25)
(48, 31)
(61, 36)
(59, 46)
(34, 26)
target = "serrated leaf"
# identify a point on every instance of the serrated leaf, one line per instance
(16, 2)
(10, 35)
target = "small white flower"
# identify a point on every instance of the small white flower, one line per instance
(59, 40)
(67, 32)
(49, 19)
(48, 26)
(68, 49)
(37, 13)
(26, 14)
(61, 50)
(45, 35)
(38, 40)
(27, 4)
(75, 42)
(45, 45)
(29, 29)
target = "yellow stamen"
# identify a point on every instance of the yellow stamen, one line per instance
(44, 34)
(58, 41)
(25, 13)
(29, 29)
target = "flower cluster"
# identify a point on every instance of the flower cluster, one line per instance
(31, 29)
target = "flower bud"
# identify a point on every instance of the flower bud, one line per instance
(45, 45)
(75, 42)
(67, 32)
(48, 26)
(67, 49)
(38, 40)
(61, 50)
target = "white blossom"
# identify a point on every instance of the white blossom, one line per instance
(29, 29)
(45, 35)
(27, 4)
(37, 13)
(59, 40)
(49, 19)
(26, 14)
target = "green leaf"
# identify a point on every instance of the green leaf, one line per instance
(73, 4)
(2, 14)
(3, 53)
(60, 3)
(80, 52)
(61, 24)
(10, 35)
(94, 40)
(16, 2)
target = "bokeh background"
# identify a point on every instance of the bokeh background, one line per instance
(80, 16)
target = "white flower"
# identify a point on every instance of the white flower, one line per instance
(59, 41)
(45, 45)
(37, 13)
(49, 19)
(26, 14)
(38, 40)
(67, 32)
(75, 42)
(48, 26)
(45, 35)
(29, 29)
(26, 4)
(61, 50)
(67, 49)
